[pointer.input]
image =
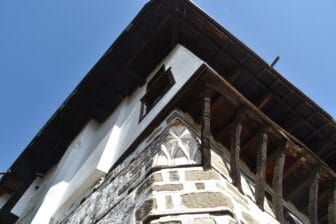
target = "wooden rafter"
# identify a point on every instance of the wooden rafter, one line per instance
(298, 189)
(265, 100)
(293, 167)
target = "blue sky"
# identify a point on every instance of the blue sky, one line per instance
(47, 47)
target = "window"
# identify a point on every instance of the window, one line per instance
(157, 87)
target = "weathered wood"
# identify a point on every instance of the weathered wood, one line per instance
(261, 169)
(266, 99)
(288, 172)
(313, 197)
(298, 189)
(235, 152)
(277, 182)
(321, 199)
(332, 204)
(205, 126)
(232, 77)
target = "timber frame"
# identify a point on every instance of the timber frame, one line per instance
(246, 122)
(240, 78)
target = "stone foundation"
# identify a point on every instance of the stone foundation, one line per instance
(164, 183)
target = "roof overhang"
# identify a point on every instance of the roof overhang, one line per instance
(158, 27)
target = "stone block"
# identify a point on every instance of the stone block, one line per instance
(145, 209)
(129, 183)
(168, 222)
(168, 187)
(206, 200)
(248, 218)
(199, 186)
(169, 202)
(153, 178)
(204, 221)
(157, 177)
(194, 175)
(174, 176)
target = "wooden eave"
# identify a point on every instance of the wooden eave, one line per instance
(299, 163)
(158, 27)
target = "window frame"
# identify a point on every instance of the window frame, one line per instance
(156, 88)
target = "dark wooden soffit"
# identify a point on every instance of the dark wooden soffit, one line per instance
(158, 27)
(226, 104)
(258, 82)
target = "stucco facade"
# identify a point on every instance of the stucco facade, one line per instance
(178, 123)
(96, 149)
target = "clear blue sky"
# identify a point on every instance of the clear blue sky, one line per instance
(47, 47)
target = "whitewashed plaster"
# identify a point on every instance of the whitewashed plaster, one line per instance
(183, 65)
(43, 201)
(20, 207)
(123, 126)
(95, 150)
(29, 201)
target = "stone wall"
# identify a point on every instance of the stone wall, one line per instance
(165, 183)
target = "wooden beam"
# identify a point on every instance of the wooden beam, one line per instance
(264, 101)
(313, 197)
(321, 198)
(277, 182)
(332, 205)
(205, 126)
(329, 154)
(235, 152)
(214, 100)
(294, 124)
(293, 167)
(324, 218)
(233, 95)
(323, 150)
(303, 185)
(261, 169)
(265, 87)
(140, 80)
(147, 39)
(232, 77)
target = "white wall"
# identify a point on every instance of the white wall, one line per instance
(100, 146)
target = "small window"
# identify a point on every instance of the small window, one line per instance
(157, 87)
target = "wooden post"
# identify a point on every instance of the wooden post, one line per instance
(205, 126)
(261, 169)
(277, 182)
(332, 204)
(235, 151)
(313, 197)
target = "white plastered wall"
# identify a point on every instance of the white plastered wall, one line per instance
(107, 142)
